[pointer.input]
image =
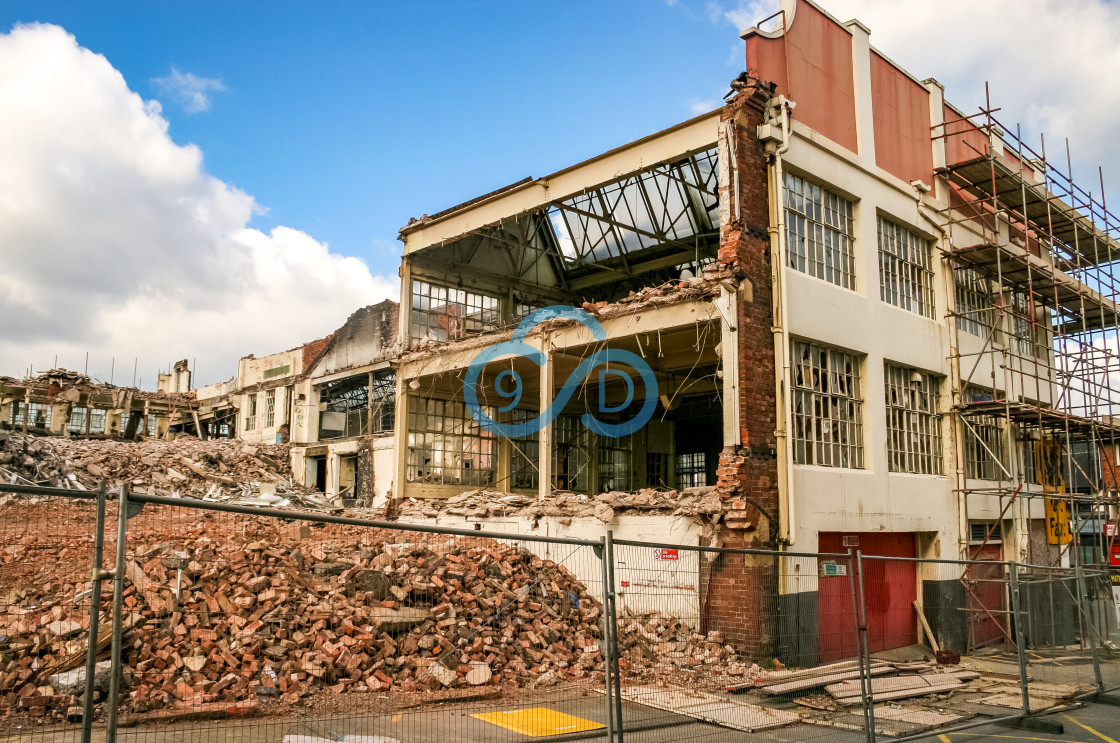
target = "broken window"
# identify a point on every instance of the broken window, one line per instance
(692, 470)
(524, 453)
(827, 407)
(615, 464)
(251, 416)
(666, 205)
(270, 409)
(447, 446)
(77, 423)
(974, 302)
(39, 415)
(913, 421)
(347, 409)
(440, 313)
(97, 420)
(905, 268)
(819, 231)
(984, 455)
(657, 470)
(151, 429)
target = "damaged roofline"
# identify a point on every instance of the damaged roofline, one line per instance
(678, 140)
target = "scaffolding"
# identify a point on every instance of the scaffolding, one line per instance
(1031, 258)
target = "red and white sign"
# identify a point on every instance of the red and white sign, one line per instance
(664, 553)
(1110, 530)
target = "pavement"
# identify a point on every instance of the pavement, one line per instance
(1092, 723)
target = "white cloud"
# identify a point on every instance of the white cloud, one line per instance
(189, 90)
(115, 240)
(1051, 64)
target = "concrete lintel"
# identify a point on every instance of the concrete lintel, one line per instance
(641, 320)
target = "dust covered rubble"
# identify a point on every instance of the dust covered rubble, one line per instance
(699, 501)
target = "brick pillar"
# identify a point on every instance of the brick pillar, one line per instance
(741, 591)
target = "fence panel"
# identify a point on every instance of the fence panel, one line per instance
(1062, 608)
(279, 628)
(744, 640)
(46, 561)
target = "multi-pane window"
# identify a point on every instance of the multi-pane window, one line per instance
(571, 454)
(913, 421)
(39, 415)
(270, 409)
(657, 466)
(251, 416)
(692, 470)
(819, 230)
(905, 268)
(440, 313)
(827, 407)
(614, 463)
(97, 418)
(524, 453)
(77, 423)
(984, 451)
(152, 430)
(447, 446)
(1025, 333)
(353, 404)
(974, 302)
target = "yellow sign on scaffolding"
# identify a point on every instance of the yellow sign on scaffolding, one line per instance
(1048, 465)
(1057, 522)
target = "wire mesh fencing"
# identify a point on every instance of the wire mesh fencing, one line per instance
(244, 624)
(47, 550)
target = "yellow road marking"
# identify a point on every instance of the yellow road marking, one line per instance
(538, 721)
(944, 739)
(1102, 736)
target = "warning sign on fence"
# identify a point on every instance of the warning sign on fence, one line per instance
(664, 553)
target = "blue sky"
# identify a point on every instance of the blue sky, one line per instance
(345, 119)
(208, 180)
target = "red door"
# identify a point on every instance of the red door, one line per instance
(985, 597)
(889, 589)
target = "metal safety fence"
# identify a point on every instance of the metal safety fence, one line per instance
(140, 617)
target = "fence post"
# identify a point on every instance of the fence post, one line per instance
(864, 673)
(118, 619)
(620, 727)
(1084, 602)
(1020, 641)
(608, 668)
(865, 652)
(94, 616)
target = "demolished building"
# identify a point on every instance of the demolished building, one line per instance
(874, 322)
(871, 322)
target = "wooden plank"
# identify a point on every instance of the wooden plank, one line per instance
(814, 681)
(925, 626)
(887, 696)
(717, 710)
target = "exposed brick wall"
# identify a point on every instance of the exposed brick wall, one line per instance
(741, 590)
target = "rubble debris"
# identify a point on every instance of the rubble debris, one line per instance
(218, 469)
(254, 620)
(699, 501)
(703, 287)
(658, 647)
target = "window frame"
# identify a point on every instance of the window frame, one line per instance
(835, 439)
(820, 231)
(906, 278)
(913, 420)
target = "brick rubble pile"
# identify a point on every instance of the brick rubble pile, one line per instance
(289, 610)
(186, 466)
